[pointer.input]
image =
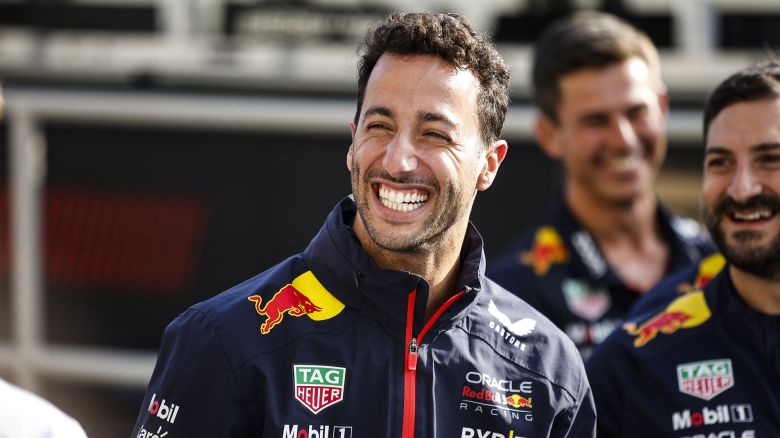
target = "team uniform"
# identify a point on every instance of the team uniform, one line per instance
(327, 345)
(559, 270)
(683, 281)
(702, 365)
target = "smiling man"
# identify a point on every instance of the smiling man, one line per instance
(607, 239)
(708, 363)
(385, 326)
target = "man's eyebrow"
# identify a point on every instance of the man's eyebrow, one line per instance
(762, 147)
(436, 117)
(378, 110)
(716, 150)
(766, 147)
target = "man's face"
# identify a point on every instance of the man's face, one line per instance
(741, 187)
(610, 132)
(416, 157)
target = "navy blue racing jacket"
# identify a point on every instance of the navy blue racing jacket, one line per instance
(559, 270)
(327, 345)
(703, 365)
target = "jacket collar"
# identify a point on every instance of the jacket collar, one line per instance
(589, 256)
(725, 302)
(349, 273)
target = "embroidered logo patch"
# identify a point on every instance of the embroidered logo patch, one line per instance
(318, 386)
(548, 249)
(585, 301)
(705, 379)
(709, 267)
(510, 330)
(305, 295)
(685, 312)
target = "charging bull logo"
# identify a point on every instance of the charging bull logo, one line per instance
(687, 311)
(518, 401)
(548, 249)
(305, 295)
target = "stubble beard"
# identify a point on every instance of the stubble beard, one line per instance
(445, 213)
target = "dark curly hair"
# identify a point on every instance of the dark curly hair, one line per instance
(587, 39)
(758, 81)
(452, 38)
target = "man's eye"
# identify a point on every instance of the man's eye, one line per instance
(637, 113)
(770, 159)
(716, 163)
(437, 135)
(373, 126)
(594, 121)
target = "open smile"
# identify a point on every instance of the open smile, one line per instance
(400, 200)
(753, 215)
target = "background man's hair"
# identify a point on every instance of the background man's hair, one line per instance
(756, 82)
(585, 40)
(452, 38)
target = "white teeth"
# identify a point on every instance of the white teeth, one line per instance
(754, 216)
(401, 201)
(625, 163)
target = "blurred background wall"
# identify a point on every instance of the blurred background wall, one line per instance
(157, 152)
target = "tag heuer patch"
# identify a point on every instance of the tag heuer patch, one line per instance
(705, 379)
(318, 386)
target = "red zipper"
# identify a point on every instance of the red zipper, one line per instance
(410, 359)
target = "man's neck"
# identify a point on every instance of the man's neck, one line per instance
(608, 221)
(628, 235)
(761, 294)
(438, 263)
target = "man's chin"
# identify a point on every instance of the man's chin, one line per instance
(397, 243)
(622, 199)
(760, 260)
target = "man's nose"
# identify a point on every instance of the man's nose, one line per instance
(623, 134)
(745, 184)
(400, 155)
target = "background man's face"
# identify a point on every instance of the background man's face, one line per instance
(415, 155)
(611, 130)
(741, 187)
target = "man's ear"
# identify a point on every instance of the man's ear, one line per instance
(546, 132)
(493, 158)
(663, 102)
(352, 127)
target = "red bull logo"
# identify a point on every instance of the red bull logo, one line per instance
(548, 249)
(685, 312)
(288, 300)
(317, 303)
(518, 401)
(709, 267)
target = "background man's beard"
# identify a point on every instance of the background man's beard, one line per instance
(761, 261)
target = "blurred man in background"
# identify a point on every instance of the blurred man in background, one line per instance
(708, 363)
(385, 326)
(603, 110)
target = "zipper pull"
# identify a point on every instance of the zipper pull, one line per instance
(412, 354)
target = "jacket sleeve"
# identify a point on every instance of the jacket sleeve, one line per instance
(580, 419)
(193, 390)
